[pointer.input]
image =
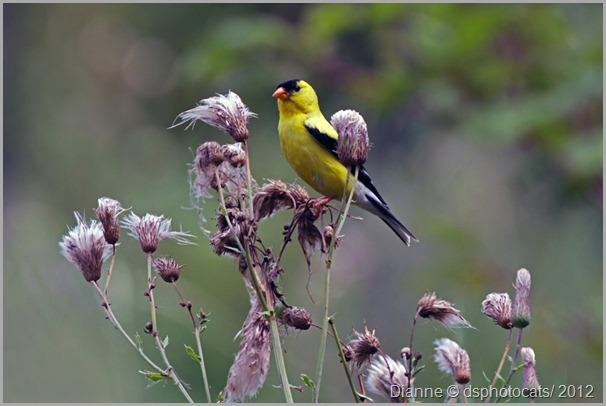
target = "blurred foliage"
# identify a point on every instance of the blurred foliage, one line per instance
(486, 122)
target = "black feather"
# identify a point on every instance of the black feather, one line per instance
(331, 145)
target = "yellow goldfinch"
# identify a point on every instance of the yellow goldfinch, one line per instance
(309, 143)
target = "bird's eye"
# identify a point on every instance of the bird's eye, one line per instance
(297, 88)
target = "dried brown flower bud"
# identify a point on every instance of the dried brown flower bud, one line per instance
(431, 307)
(452, 359)
(520, 310)
(223, 241)
(209, 155)
(86, 248)
(168, 269)
(228, 113)
(276, 196)
(352, 146)
(297, 317)
(151, 229)
(382, 376)
(405, 353)
(364, 346)
(348, 352)
(497, 306)
(234, 154)
(108, 211)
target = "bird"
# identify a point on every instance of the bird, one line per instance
(309, 144)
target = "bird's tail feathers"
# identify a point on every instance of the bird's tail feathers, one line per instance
(387, 216)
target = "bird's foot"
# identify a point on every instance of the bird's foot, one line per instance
(317, 205)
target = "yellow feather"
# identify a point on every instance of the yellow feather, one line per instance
(317, 166)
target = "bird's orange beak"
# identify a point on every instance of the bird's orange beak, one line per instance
(280, 93)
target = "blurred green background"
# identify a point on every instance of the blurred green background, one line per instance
(486, 126)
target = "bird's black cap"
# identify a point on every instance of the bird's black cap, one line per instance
(290, 85)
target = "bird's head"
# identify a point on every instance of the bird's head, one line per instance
(296, 95)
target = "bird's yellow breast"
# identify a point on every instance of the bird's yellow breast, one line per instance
(317, 166)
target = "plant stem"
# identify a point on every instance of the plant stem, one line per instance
(498, 371)
(170, 368)
(111, 267)
(151, 293)
(114, 320)
(342, 216)
(513, 362)
(267, 306)
(331, 321)
(411, 355)
(197, 333)
(110, 315)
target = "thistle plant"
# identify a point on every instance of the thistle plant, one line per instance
(221, 173)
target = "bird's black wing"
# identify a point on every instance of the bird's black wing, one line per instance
(331, 145)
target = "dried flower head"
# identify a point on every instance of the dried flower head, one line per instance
(364, 346)
(297, 317)
(251, 365)
(352, 146)
(348, 352)
(431, 307)
(310, 237)
(382, 375)
(529, 378)
(520, 310)
(223, 241)
(497, 306)
(272, 198)
(86, 248)
(108, 211)
(452, 359)
(405, 354)
(209, 155)
(168, 269)
(234, 154)
(151, 229)
(226, 112)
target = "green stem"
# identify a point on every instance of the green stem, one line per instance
(331, 321)
(202, 364)
(114, 320)
(151, 293)
(498, 372)
(267, 306)
(170, 368)
(341, 220)
(198, 341)
(111, 267)
(513, 362)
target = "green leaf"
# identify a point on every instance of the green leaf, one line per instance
(417, 370)
(364, 398)
(190, 351)
(138, 340)
(308, 382)
(154, 376)
(267, 313)
(165, 342)
(220, 397)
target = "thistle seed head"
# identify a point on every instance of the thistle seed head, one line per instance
(452, 359)
(151, 229)
(520, 309)
(382, 375)
(297, 317)
(86, 248)
(364, 346)
(497, 307)
(108, 211)
(168, 269)
(352, 146)
(431, 307)
(225, 112)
